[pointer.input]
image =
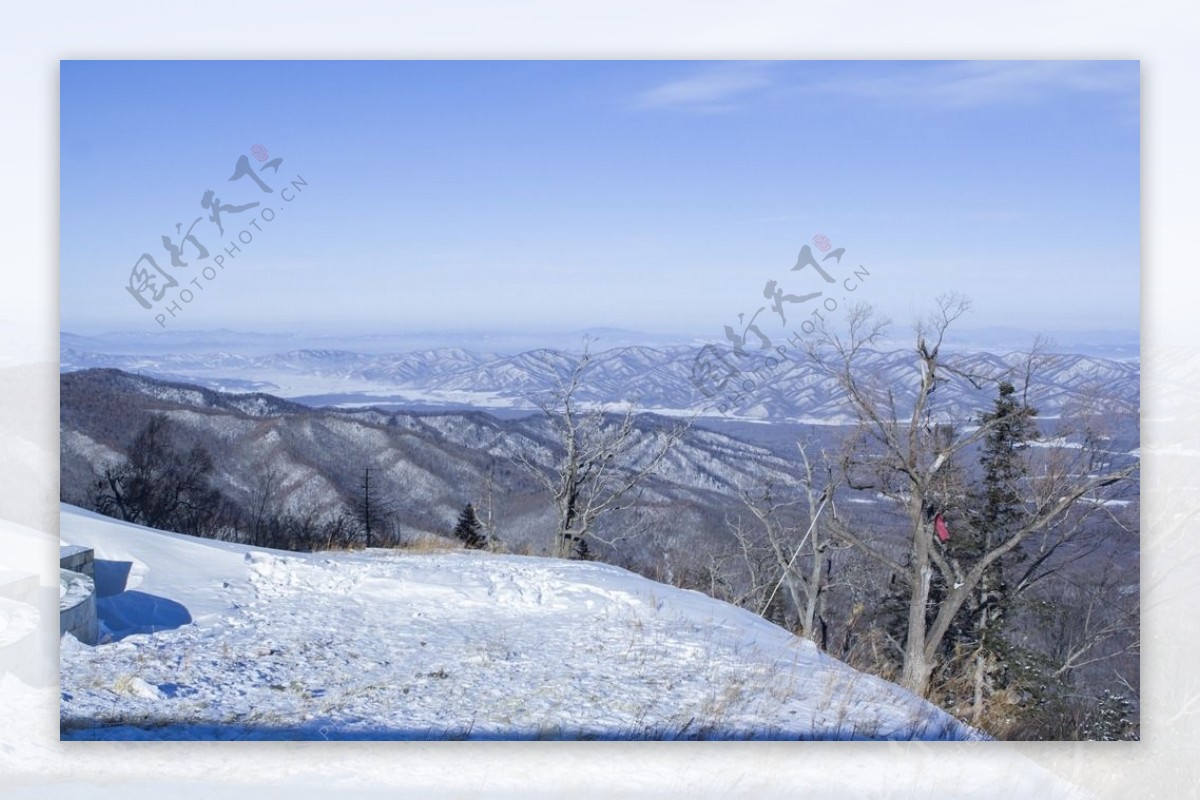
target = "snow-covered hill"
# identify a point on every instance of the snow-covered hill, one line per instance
(435, 462)
(211, 640)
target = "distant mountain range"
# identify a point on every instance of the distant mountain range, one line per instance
(657, 378)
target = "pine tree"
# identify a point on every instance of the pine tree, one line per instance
(999, 512)
(468, 528)
(1001, 505)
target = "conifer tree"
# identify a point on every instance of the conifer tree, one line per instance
(1000, 509)
(468, 529)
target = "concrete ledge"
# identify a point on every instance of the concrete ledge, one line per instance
(77, 559)
(77, 606)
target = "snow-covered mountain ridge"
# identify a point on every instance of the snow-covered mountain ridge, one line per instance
(433, 463)
(660, 379)
(212, 640)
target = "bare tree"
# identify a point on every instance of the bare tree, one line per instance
(372, 509)
(907, 448)
(787, 549)
(1100, 624)
(338, 532)
(604, 455)
(487, 517)
(163, 485)
(264, 506)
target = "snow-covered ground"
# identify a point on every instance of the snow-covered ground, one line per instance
(211, 640)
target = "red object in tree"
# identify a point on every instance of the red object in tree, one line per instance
(939, 526)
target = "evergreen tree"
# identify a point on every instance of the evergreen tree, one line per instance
(999, 509)
(468, 528)
(1000, 503)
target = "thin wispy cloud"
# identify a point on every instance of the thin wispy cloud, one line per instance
(711, 89)
(964, 84)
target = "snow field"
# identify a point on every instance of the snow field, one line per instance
(444, 645)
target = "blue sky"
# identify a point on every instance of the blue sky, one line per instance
(658, 196)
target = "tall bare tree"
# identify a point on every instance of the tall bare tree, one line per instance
(604, 454)
(906, 450)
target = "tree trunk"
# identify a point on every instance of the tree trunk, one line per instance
(979, 680)
(799, 600)
(918, 665)
(570, 506)
(981, 660)
(814, 598)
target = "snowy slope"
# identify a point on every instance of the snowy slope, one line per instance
(386, 645)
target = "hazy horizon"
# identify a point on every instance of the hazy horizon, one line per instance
(1116, 344)
(298, 332)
